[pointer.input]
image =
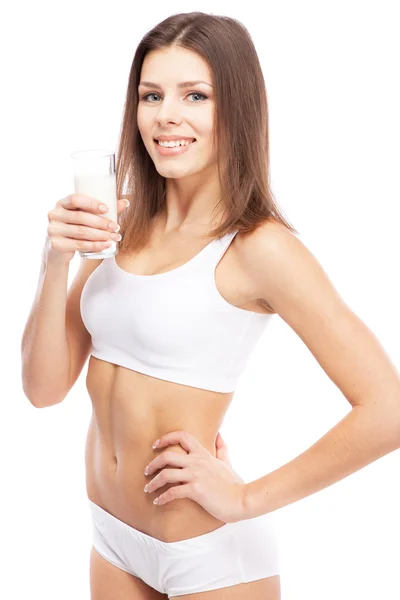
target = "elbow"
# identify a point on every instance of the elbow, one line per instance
(42, 394)
(41, 401)
(44, 403)
(33, 401)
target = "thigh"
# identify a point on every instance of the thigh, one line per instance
(108, 582)
(268, 588)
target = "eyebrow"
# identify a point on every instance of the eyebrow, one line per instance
(183, 84)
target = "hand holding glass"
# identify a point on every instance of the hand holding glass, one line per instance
(76, 223)
(94, 176)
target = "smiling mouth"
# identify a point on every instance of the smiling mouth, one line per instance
(180, 145)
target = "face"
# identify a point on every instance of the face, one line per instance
(168, 109)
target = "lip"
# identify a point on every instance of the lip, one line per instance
(173, 151)
(173, 138)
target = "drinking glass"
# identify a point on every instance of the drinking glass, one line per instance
(94, 175)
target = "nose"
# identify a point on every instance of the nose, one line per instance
(168, 113)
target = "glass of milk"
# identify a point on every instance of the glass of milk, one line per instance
(94, 175)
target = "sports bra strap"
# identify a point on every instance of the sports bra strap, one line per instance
(221, 245)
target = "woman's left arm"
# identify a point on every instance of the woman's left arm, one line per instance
(291, 280)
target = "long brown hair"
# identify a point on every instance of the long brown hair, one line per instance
(240, 125)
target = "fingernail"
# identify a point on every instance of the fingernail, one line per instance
(127, 203)
(156, 444)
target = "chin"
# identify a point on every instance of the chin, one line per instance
(176, 173)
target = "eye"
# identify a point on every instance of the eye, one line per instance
(146, 96)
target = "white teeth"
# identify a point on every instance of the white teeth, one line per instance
(173, 144)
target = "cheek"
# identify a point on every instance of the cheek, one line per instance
(144, 122)
(205, 123)
(145, 132)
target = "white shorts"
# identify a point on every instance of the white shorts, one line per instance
(234, 553)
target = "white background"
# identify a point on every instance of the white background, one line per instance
(331, 70)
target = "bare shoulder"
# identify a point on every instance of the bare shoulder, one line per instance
(254, 251)
(283, 271)
(262, 238)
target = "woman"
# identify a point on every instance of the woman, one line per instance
(170, 322)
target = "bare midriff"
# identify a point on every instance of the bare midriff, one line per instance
(130, 411)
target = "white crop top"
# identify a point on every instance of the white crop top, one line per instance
(174, 325)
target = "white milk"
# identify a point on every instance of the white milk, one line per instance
(101, 187)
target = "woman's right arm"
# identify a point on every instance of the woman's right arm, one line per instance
(45, 349)
(55, 343)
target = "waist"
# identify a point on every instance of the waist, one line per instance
(131, 411)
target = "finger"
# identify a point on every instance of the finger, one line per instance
(65, 244)
(82, 202)
(85, 227)
(168, 476)
(174, 459)
(122, 205)
(184, 438)
(222, 454)
(222, 450)
(178, 491)
(80, 218)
